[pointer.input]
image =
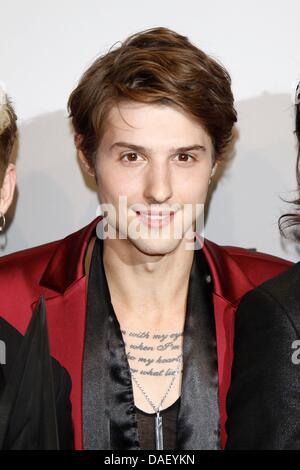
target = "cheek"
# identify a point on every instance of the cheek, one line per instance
(112, 186)
(193, 188)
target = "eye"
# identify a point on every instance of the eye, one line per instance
(187, 155)
(131, 156)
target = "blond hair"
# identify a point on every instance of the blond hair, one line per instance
(8, 130)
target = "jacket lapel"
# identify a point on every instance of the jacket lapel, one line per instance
(198, 417)
(230, 284)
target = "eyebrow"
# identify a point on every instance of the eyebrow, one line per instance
(140, 148)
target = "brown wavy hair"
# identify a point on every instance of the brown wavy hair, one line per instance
(8, 132)
(292, 219)
(157, 65)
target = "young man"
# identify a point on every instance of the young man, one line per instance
(143, 323)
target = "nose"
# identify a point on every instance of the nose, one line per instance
(158, 183)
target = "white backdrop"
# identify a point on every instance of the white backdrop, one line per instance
(44, 48)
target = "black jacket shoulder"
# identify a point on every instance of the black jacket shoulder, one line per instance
(263, 402)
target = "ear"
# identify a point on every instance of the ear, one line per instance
(85, 164)
(214, 169)
(8, 188)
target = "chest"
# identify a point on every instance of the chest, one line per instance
(155, 361)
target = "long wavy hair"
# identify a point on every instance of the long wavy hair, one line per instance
(292, 219)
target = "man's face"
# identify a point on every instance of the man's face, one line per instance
(159, 158)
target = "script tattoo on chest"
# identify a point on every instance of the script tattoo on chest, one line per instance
(153, 354)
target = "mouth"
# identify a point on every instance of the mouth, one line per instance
(156, 219)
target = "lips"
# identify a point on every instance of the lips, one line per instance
(156, 219)
(156, 214)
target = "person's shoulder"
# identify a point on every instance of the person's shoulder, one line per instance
(28, 262)
(258, 267)
(246, 256)
(32, 261)
(284, 287)
(274, 303)
(28, 253)
(29, 258)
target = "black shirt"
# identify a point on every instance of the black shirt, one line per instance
(110, 419)
(146, 427)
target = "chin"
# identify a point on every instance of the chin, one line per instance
(155, 247)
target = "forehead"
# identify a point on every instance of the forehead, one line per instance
(153, 123)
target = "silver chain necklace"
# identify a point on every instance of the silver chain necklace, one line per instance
(159, 444)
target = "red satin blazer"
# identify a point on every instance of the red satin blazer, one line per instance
(56, 270)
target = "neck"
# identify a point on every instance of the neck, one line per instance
(146, 289)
